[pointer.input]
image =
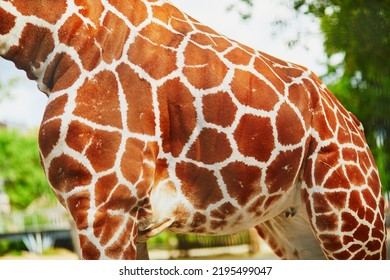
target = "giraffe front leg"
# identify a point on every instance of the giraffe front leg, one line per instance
(142, 251)
(112, 236)
(104, 205)
(106, 215)
(105, 212)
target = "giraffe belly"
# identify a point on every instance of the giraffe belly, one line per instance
(174, 211)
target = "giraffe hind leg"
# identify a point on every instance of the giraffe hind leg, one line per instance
(348, 221)
(290, 236)
(344, 233)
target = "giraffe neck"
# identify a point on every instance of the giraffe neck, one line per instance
(47, 41)
(27, 40)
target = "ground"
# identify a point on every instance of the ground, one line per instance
(229, 253)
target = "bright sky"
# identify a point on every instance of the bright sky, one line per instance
(27, 105)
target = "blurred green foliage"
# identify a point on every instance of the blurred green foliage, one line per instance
(245, 11)
(11, 247)
(24, 179)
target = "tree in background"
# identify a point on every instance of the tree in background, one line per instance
(24, 179)
(358, 31)
(244, 10)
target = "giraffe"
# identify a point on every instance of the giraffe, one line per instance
(156, 122)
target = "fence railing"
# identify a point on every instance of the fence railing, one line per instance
(45, 219)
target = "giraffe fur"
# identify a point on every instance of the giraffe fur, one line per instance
(156, 122)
